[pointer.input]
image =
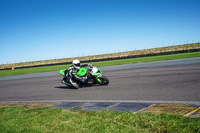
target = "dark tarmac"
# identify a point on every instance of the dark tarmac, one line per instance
(174, 81)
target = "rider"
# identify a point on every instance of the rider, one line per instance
(71, 76)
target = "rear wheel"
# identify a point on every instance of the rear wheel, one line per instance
(104, 80)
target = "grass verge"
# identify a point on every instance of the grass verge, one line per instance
(45, 120)
(100, 64)
(169, 49)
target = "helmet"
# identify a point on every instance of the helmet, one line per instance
(76, 63)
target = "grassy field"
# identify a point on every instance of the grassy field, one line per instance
(100, 64)
(46, 120)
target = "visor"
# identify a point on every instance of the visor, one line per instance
(77, 65)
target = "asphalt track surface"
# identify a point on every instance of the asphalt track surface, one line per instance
(173, 81)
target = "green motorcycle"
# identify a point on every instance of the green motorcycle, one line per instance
(93, 73)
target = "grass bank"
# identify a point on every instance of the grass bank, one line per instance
(100, 64)
(158, 51)
(19, 120)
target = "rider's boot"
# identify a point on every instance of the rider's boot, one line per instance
(64, 80)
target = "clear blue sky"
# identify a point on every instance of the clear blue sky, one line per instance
(33, 30)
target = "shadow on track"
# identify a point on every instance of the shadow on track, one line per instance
(72, 88)
(66, 87)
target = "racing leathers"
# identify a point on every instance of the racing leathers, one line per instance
(72, 77)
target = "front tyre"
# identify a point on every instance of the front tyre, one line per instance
(104, 80)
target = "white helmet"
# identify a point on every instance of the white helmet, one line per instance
(76, 63)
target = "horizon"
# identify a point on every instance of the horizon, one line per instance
(99, 54)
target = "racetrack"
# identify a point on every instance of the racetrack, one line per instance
(175, 80)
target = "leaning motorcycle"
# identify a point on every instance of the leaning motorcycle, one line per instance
(93, 73)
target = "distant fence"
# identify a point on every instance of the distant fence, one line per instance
(114, 58)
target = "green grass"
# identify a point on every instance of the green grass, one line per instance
(100, 64)
(46, 120)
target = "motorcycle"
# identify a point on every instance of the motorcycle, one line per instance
(93, 73)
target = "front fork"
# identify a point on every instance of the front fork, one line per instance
(98, 78)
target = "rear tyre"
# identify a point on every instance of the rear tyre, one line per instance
(104, 80)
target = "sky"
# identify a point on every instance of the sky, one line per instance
(33, 30)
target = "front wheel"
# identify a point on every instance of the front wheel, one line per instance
(104, 80)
